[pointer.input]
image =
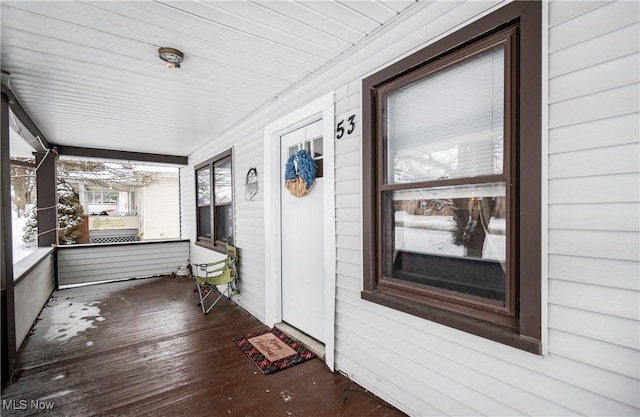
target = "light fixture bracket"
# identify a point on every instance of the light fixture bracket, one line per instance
(171, 56)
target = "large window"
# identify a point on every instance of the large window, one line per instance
(102, 197)
(451, 145)
(214, 197)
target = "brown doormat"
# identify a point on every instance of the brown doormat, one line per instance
(274, 344)
(271, 347)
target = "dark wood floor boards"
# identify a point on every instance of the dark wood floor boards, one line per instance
(151, 352)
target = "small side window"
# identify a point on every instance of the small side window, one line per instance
(214, 201)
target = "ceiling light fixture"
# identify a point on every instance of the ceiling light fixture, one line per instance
(171, 56)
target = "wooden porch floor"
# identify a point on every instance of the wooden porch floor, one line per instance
(144, 348)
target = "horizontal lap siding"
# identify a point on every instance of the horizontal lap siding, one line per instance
(161, 209)
(187, 211)
(594, 192)
(83, 264)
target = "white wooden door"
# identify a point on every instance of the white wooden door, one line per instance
(302, 239)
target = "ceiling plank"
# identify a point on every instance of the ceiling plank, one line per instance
(219, 38)
(315, 19)
(260, 15)
(340, 13)
(88, 72)
(373, 10)
(258, 30)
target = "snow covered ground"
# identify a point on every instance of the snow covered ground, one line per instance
(20, 251)
(431, 234)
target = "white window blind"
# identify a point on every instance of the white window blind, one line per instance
(449, 124)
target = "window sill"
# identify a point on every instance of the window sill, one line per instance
(215, 248)
(467, 324)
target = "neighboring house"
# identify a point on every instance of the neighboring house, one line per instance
(151, 210)
(534, 128)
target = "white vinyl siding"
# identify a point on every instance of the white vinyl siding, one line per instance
(593, 197)
(160, 208)
(94, 263)
(32, 290)
(594, 193)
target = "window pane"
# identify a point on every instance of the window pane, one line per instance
(204, 221)
(224, 223)
(453, 238)
(318, 157)
(222, 182)
(204, 186)
(449, 124)
(317, 148)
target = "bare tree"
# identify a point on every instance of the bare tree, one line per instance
(104, 174)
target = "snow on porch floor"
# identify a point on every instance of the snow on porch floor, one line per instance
(144, 348)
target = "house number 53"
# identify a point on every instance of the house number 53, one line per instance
(340, 128)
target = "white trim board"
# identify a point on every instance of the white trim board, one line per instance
(321, 107)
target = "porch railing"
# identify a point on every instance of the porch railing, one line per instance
(35, 276)
(33, 284)
(81, 264)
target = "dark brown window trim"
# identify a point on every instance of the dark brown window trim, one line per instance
(458, 321)
(525, 332)
(218, 247)
(25, 120)
(210, 163)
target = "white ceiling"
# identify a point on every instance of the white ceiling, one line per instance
(89, 75)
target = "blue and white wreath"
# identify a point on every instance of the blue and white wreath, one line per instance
(300, 173)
